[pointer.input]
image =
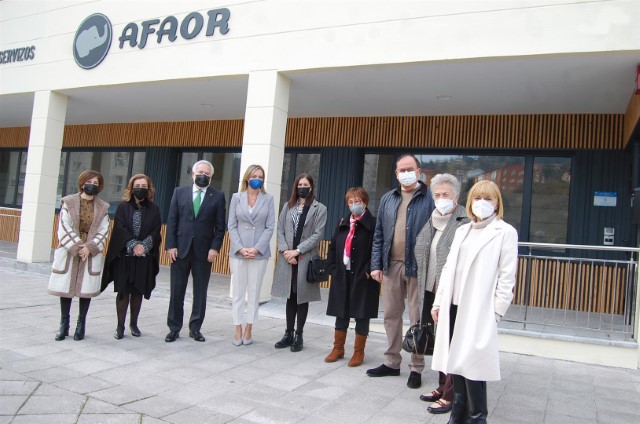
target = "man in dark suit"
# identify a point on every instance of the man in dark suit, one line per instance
(195, 229)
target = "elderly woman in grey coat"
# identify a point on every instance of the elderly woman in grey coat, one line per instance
(300, 227)
(432, 247)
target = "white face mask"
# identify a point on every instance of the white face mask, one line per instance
(407, 178)
(482, 208)
(444, 206)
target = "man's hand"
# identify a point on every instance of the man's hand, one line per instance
(172, 254)
(377, 275)
(213, 254)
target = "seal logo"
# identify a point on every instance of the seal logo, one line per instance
(92, 41)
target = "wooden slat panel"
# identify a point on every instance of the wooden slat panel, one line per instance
(487, 132)
(582, 287)
(631, 118)
(14, 137)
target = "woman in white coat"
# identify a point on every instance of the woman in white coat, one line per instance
(76, 271)
(475, 290)
(252, 219)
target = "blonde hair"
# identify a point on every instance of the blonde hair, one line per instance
(481, 189)
(247, 175)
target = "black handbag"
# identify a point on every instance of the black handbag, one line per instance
(419, 339)
(317, 270)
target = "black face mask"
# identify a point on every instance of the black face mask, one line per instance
(304, 192)
(140, 193)
(202, 180)
(90, 189)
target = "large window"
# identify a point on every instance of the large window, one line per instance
(550, 200)
(115, 167)
(308, 163)
(550, 178)
(13, 166)
(226, 166)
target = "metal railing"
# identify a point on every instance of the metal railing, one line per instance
(575, 290)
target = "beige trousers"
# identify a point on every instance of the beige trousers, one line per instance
(395, 288)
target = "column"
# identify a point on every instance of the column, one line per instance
(265, 126)
(41, 180)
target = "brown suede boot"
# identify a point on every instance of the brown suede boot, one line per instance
(338, 346)
(358, 351)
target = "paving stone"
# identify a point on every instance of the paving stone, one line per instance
(109, 419)
(10, 405)
(156, 406)
(84, 385)
(46, 419)
(70, 404)
(197, 415)
(17, 387)
(265, 414)
(119, 395)
(95, 406)
(616, 417)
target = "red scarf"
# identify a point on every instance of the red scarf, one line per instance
(347, 243)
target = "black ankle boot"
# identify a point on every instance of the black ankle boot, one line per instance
(79, 334)
(63, 331)
(286, 340)
(296, 346)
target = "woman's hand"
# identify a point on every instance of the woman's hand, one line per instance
(434, 315)
(84, 253)
(138, 250)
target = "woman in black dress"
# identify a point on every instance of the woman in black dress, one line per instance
(133, 255)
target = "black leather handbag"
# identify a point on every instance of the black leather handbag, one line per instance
(317, 270)
(419, 339)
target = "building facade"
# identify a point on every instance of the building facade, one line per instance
(541, 97)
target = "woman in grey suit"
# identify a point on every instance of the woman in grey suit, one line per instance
(251, 224)
(300, 228)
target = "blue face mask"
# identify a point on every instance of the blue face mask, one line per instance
(255, 183)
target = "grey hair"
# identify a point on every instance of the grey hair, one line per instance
(446, 179)
(200, 162)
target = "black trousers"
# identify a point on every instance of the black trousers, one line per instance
(201, 273)
(469, 396)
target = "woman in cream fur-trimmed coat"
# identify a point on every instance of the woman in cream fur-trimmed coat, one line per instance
(78, 260)
(475, 290)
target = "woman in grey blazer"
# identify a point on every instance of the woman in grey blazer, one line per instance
(300, 227)
(251, 224)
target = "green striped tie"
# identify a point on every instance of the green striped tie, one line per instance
(196, 202)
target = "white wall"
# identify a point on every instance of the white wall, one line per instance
(297, 35)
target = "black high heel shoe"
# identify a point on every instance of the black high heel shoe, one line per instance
(79, 334)
(119, 334)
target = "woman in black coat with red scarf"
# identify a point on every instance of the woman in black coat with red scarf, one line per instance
(134, 251)
(353, 293)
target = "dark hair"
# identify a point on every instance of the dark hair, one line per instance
(408, 155)
(86, 176)
(357, 192)
(294, 190)
(128, 192)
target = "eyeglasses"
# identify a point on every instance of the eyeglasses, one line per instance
(354, 202)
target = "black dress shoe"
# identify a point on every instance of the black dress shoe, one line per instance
(196, 335)
(415, 380)
(383, 371)
(135, 331)
(431, 397)
(172, 336)
(442, 408)
(119, 334)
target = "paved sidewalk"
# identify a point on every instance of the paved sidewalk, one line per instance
(145, 380)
